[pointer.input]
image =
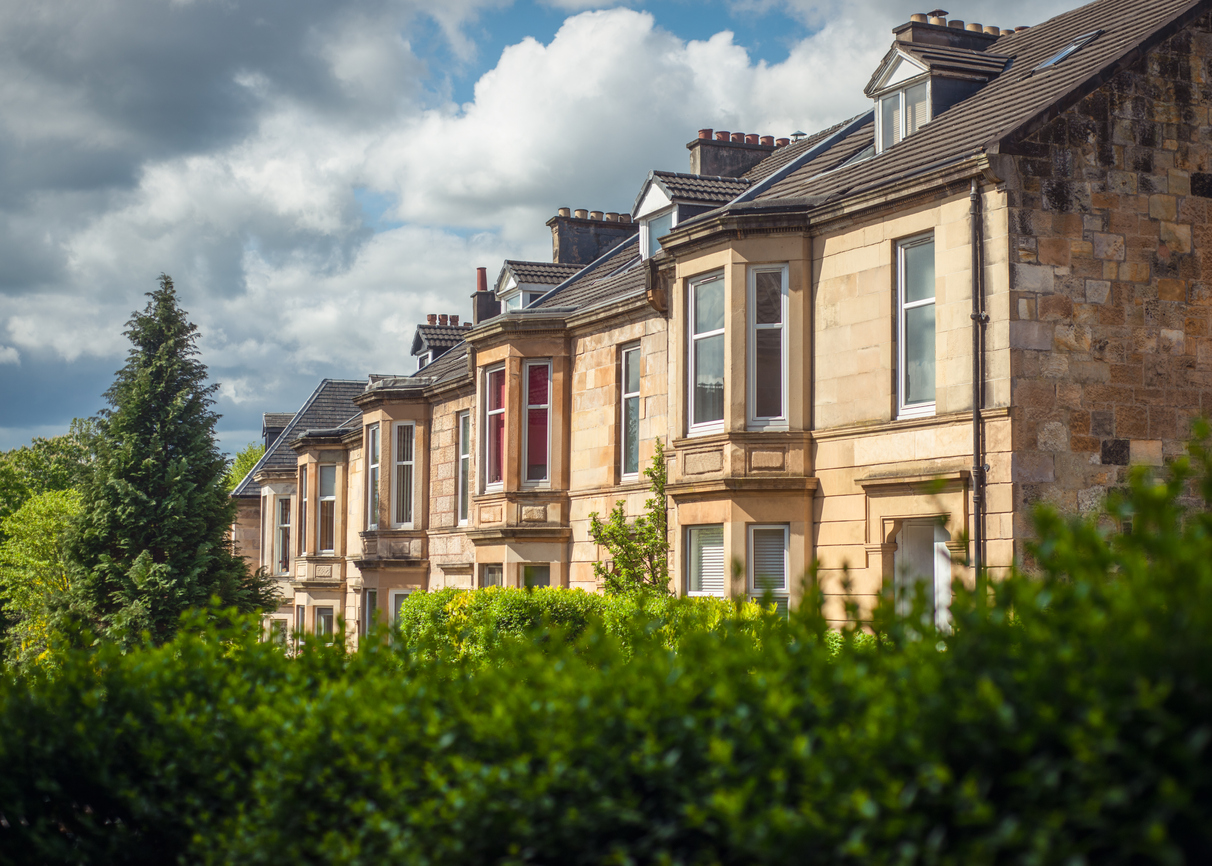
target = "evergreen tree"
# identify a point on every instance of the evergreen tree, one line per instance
(154, 536)
(638, 551)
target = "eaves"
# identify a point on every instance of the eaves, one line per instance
(631, 307)
(545, 323)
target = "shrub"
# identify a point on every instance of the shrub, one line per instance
(1066, 721)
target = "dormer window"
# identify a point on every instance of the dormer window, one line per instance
(653, 228)
(902, 113)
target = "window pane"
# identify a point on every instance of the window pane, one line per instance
(658, 227)
(890, 120)
(328, 481)
(768, 375)
(769, 559)
(706, 560)
(324, 620)
(709, 306)
(371, 608)
(631, 435)
(496, 447)
(464, 463)
(492, 575)
(919, 272)
(536, 385)
(397, 603)
(709, 379)
(631, 371)
(404, 494)
(372, 508)
(328, 513)
(919, 354)
(915, 566)
(536, 445)
(404, 440)
(768, 298)
(496, 389)
(536, 575)
(915, 108)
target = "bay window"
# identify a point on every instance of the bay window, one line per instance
(536, 575)
(282, 539)
(706, 352)
(328, 507)
(494, 422)
(768, 564)
(404, 474)
(705, 560)
(767, 301)
(492, 574)
(464, 428)
(372, 476)
(630, 432)
(915, 326)
(538, 418)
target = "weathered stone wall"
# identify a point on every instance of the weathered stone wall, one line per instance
(1111, 282)
(448, 543)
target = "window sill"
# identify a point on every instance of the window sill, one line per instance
(763, 426)
(705, 430)
(923, 410)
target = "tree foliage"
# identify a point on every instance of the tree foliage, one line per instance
(154, 535)
(637, 551)
(35, 573)
(243, 463)
(45, 465)
(1065, 721)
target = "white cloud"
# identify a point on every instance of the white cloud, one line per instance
(9, 355)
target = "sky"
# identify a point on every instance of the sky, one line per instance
(316, 176)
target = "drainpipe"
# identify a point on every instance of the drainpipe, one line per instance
(979, 319)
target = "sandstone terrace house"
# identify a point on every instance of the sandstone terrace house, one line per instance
(984, 292)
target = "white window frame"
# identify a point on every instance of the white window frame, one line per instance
(318, 619)
(899, 93)
(320, 500)
(903, 583)
(624, 396)
(369, 611)
(374, 472)
(757, 593)
(911, 410)
(396, 467)
(282, 551)
(302, 511)
(706, 427)
(645, 253)
(463, 471)
(756, 422)
(526, 407)
(484, 566)
(689, 564)
(485, 484)
(395, 594)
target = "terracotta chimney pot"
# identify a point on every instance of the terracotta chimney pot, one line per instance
(751, 138)
(956, 23)
(624, 217)
(738, 138)
(581, 213)
(993, 31)
(918, 17)
(454, 320)
(612, 217)
(564, 212)
(443, 319)
(767, 140)
(431, 318)
(482, 276)
(782, 142)
(721, 135)
(706, 133)
(977, 28)
(938, 22)
(595, 214)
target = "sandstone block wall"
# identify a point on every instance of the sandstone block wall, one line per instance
(1111, 278)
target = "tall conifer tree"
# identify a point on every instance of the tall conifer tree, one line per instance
(154, 536)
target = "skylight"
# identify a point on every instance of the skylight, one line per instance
(1073, 47)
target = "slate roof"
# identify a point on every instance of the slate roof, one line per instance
(541, 273)
(612, 276)
(948, 61)
(438, 338)
(330, 405)
(275, 420)
(791, 152)
(694, 187)
(1017, 101)
(450, 366)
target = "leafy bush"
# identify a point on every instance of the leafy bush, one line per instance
(1069, 720)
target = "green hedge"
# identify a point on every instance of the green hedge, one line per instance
(1069, 721)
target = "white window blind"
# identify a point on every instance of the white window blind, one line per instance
(706, 560)
(915, 108)
(768, 557)
(405, 436)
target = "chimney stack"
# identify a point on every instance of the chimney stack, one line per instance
(484, 304)
(731, 154)
(587, 235)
